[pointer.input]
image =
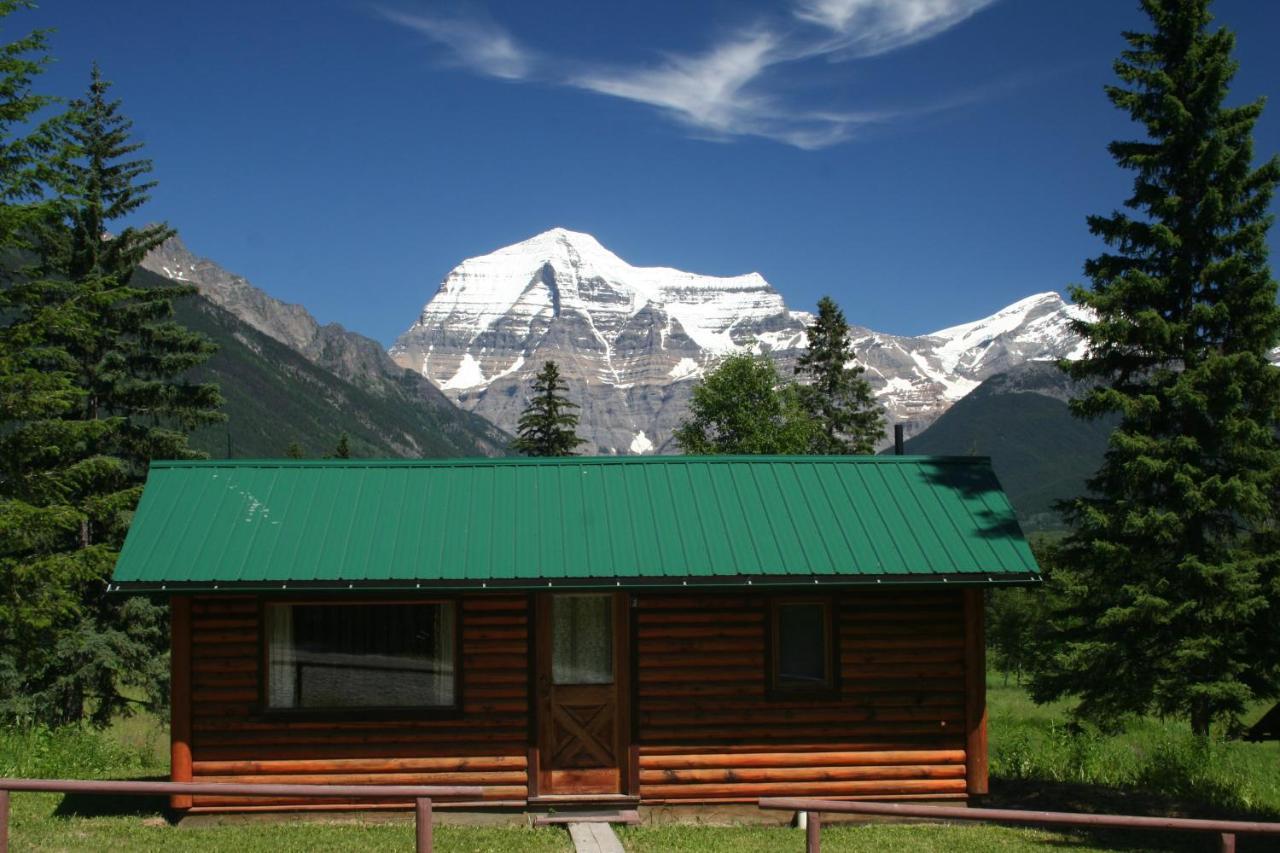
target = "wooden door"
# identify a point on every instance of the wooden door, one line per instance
(583, 721)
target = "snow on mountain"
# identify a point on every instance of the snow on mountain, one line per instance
(1035, 322)
(630, 341)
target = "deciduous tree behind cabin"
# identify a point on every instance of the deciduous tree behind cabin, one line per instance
(744, 407)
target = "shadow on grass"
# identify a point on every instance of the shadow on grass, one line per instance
(116, 805)
(1044, 795)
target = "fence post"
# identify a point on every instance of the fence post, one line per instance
(813, 832)
(422, 824)
(4, 822)
(1228, 842)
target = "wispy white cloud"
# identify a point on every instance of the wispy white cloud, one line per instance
(717, 93)
(866, 28)
(724, 91)
(479, 44)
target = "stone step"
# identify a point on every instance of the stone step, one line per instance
(626, 816)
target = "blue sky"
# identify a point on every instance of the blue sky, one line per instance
(924, 162)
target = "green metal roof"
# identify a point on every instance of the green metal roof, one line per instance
(334, 524)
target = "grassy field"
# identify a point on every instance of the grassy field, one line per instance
(1037, 761)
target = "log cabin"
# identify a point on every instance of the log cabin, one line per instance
(644, 630)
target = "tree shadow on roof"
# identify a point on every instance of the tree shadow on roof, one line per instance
(976, 483)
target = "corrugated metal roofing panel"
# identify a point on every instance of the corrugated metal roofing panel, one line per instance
(334, 523)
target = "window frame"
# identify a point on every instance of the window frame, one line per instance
(265, 711)
(830, 688)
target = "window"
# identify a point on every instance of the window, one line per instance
(337, 656)
(803, 659)
(582, 639)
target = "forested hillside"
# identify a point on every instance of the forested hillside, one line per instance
(1040, 452)
(274, 397)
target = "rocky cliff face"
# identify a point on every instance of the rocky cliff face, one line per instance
(627, 339)
(352, 357)
(632, 340)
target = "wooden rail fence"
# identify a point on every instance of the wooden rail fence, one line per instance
(812, 808)
(421, 795)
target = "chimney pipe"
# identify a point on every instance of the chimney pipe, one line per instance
(898, 443)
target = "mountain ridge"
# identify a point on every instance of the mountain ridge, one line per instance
(359, 363)
(631, 340)
(1041, 453)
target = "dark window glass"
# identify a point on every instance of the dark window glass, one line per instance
(360, 655)
(802, 654)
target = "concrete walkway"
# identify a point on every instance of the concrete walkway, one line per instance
(594, 838)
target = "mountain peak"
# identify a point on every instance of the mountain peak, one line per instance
(558, 237)
(630, 339)
(564, 235)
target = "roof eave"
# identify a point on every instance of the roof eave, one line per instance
(999, 579)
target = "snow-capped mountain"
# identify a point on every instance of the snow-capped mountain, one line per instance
(631, 340)
(920, 377)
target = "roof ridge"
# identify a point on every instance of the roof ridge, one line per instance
(476, 461)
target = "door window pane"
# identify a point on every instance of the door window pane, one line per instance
(582, 639)
(360, 656)
(803, 645)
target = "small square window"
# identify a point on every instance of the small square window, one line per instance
(803, 659)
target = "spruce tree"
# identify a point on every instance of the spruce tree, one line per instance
(134, 365)
(294, 451)
(57, 477)
(744, 407)
(837, 395)
(343, 450)
(548, 425)
(1166, 595)
(74, 451)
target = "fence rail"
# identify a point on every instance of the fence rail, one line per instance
(812, 808)
(421, 795)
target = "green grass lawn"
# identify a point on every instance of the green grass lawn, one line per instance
(864, 839)
(1037, 761)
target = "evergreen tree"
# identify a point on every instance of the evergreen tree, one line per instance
(343, 450)
(1166, 595)
(134, 363)
(837, 396)
(548, 425)
(294, 451)
(56, 481)
(743, 407)
(90, 372)
(21, 61)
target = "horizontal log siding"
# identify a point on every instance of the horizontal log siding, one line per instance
(485, 745)
(706, 731)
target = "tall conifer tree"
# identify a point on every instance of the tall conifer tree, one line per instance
(134, 363)
(56, 474)
(75, 450)
(1167, 596)
(548, 426)
(838, 396)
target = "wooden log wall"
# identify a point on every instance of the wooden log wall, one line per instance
(230, 740)
(707, 732)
